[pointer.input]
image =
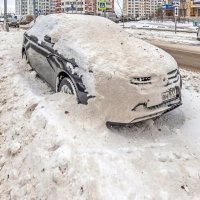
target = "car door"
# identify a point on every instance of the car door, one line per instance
(39, 60)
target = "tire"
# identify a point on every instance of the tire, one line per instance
(67, 86)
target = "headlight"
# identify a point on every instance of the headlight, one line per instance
(140, 80)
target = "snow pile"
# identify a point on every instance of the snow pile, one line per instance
(166, 25)
(180, 38)
(53, 149)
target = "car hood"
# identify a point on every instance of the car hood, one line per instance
(125, 57)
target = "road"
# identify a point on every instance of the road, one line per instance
(187, 56)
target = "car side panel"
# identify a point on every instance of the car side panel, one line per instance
(50, 65)
(38, 58)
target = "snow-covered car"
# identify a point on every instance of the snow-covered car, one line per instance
(198, 33)
(126, 79)
(26, 19)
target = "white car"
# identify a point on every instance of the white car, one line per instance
(126, 79)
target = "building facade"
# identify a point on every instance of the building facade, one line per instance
(141, 8)
(42, 7)
(21, 7)
(195, 8)
(45, 7)
(57, 6)
(73, 6)
(84, 6)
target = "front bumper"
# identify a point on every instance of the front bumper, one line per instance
(151, 112)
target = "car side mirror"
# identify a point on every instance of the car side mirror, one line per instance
(47, 38)
(34, 38)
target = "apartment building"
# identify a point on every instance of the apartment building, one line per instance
(57, 6)
(140, 8)
(42, 7)
(195, 8)
(73, 6)
(89, 6)
(21, 7)
(84, 6)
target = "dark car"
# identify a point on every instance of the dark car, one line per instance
(52, 67)
(92, 58)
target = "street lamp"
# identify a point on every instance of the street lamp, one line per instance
(34, 14)
(6, 28)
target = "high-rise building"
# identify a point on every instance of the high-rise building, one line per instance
(195, 8)
(42, 7)
(140, 8)
(89, 6)
(57, 6)
(21, 7)
(73, 6)
(84, 6)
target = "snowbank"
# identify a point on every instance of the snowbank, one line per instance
(179, 38)
(52, 149)
(166, 25)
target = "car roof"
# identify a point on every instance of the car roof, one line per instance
(68, 24)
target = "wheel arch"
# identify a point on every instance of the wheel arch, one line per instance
(23, 52)
(81, 95)
(59, 78)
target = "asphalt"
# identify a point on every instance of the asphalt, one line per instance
(187, 56)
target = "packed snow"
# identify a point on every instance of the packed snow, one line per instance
(164, 31)
(161, 25)
(166, 36)
(52, 148)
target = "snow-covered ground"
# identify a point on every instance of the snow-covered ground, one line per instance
(166, 36)
(166, 25)
(151, 30)
(51, 148)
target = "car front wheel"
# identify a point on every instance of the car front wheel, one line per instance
(66, 86)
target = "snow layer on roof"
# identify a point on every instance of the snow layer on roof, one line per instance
(102, 43)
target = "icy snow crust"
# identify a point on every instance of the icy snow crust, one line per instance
(114, 57)
(53, 149)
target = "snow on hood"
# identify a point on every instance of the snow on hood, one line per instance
(100, 44)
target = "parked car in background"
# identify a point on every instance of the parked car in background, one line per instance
(26, 19)
(13, 21)
(198, 33)
(112, 16)
(97, 66)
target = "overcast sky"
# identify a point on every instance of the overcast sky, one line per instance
(11, 5)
